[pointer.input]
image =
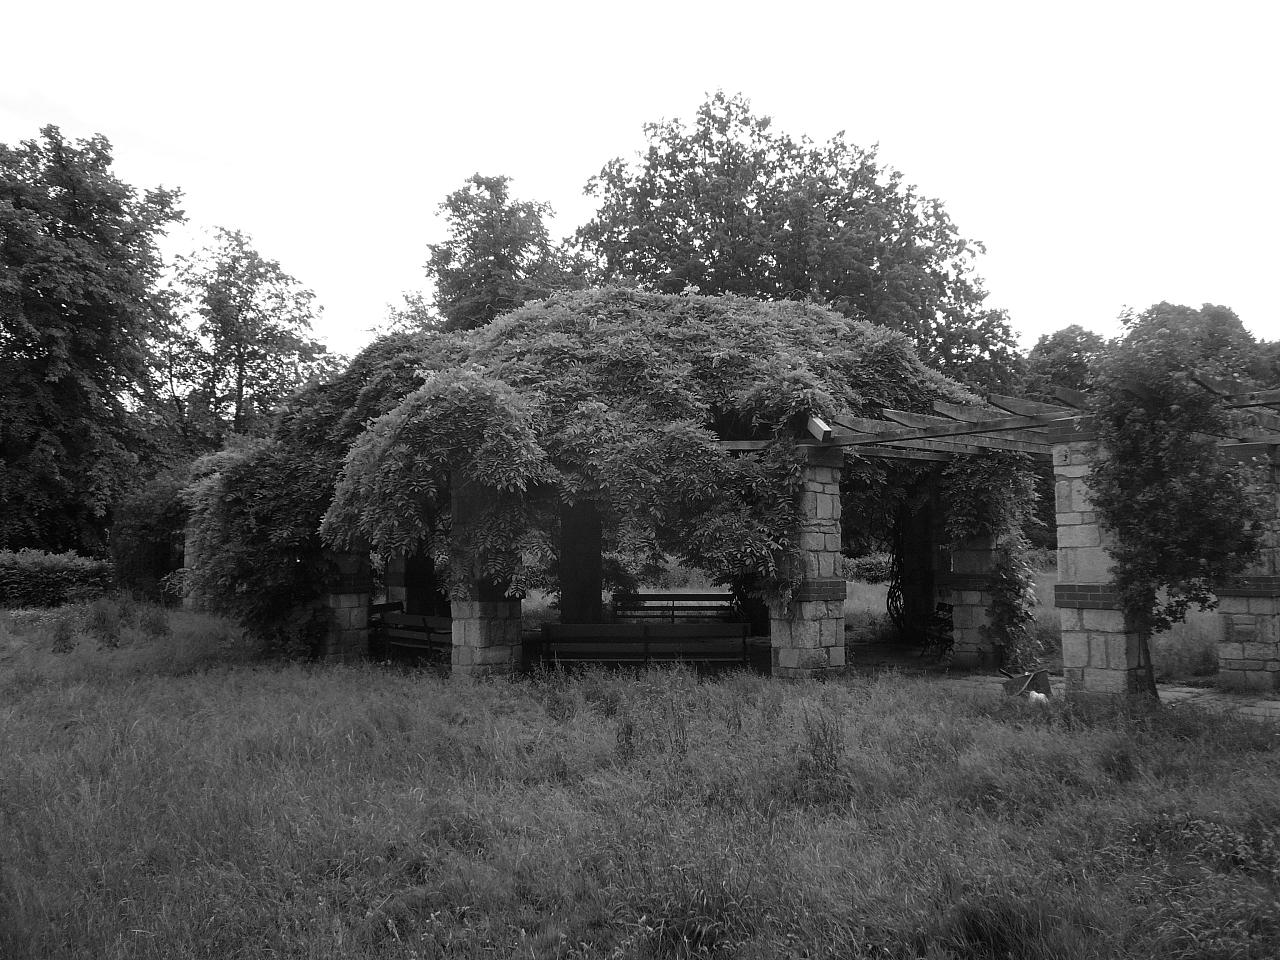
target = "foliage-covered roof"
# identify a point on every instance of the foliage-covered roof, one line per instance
(615, 396)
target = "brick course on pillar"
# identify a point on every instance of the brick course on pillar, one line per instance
(347, 608)
(1100, 657)
(807, 635)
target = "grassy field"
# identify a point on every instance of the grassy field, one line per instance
(159, 801)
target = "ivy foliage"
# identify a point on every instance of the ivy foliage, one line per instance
(255, 510)
(621, 398)
(993, 495)
(1183, 516)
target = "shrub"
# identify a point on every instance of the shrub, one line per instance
(33, 578)
(873, 568)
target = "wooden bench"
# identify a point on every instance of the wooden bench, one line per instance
(710, 607)
(641, 643)
(408, 636)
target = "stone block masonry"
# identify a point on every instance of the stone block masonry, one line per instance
(347, 607)
(1100, 657)
(486, 637)
(807, 634)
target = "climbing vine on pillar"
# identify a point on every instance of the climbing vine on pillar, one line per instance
(994, 495)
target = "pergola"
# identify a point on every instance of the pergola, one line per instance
(806, 625)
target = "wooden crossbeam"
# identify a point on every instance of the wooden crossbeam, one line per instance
(963, 445)
(1223, 388)
(1256, 398)
(889, 453)
(903, 453)
(818, 428)
(1263, 419)
(908, 419)
(964, 429)
(1024, 408)
(1072, 398)
(1252, 449)
(960, 412)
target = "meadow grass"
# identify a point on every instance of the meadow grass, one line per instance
(249, 810)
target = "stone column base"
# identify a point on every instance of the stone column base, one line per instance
(1099, 657)
(807, 639)
(486, 637)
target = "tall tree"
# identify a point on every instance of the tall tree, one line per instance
(730, 206)
(498, 255)
(1185, 519)
(1064, 358)
(240, 343)
(78, 265)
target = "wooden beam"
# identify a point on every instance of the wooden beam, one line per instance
(902, 453)
(1072, 398)
(744, 445)
(967, 446)
(1023, 408)
(1223, 388)
(818, 427)
(1256, 398)
(1262, 419)
(908, 419)
(970, 429)
(962, 413)
(1250, 450)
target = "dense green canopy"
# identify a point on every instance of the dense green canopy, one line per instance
(616, 397)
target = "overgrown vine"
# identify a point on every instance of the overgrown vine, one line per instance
(994, 495)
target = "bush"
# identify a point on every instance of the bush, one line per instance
(33, 578)
(873, 568)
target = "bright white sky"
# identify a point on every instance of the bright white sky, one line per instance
(1108, 154)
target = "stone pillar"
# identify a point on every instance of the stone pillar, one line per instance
(1249, 610)
(965, 583)
(347, 603)
(1100, 657)
(486, 622)
(807, 635)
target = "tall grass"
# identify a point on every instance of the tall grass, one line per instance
(242, 811)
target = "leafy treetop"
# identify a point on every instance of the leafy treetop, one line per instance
(731, 206)
(78, 263)
(498, 255)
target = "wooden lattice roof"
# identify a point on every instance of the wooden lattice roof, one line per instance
(1023, 426)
